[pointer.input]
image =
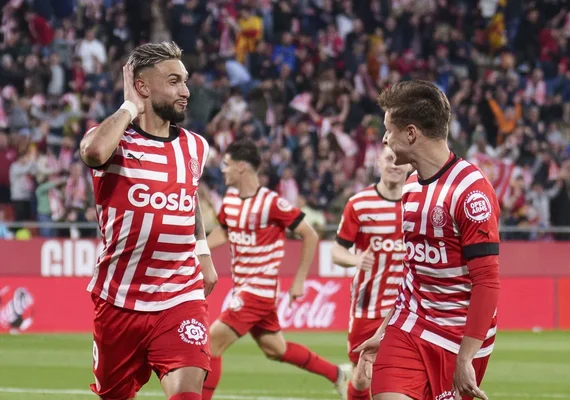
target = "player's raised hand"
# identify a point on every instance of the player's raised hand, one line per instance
(130, 92)
(464, 382)
(296, 290)
(366, 259)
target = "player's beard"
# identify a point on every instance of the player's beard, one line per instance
(167, 112)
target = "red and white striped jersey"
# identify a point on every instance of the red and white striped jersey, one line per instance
(256, 232)
(448, 219)
(371, 220)
(145, 198)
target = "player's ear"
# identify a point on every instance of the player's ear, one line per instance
(142, 87)
(412, 133)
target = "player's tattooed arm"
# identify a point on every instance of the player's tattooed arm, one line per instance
(98, 146)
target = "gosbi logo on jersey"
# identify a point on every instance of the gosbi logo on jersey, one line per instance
(139, 196)
(242, 238)
(425, 253)
(386, 245)
(477, 206)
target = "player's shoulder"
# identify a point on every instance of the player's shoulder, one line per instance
(192, 134)
(368, 193)
(469, 175)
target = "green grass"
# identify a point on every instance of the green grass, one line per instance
(524, 365)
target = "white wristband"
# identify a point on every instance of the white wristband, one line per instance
(202, 248)
(131, 108)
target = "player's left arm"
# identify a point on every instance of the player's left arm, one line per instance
(203, 252)
(287, 216)
(310, 242)
(477, 217)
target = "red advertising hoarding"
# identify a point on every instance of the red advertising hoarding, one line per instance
(43, 287)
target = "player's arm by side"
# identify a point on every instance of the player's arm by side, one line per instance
(477, 216)
(345, 238)
(285, 215)
(99, 144)
(203, 252)
(310, 242)
(219, 235)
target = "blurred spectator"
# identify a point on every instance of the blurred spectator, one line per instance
(22, 185)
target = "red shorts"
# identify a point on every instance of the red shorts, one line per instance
(249, 313)
(417, 368)
(128, 345)
(360, 330)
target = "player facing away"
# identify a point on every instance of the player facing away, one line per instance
(254, 219)
(150, 281)
(372, 222)
(438, 341)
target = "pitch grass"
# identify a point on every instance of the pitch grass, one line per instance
(525, 365)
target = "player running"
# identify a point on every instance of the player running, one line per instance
(438, 341)
(253, 219)
(372, 221)
(150, 281)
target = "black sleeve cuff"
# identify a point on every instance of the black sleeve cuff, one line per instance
(343, 242)
(296, 222)
(480, 250)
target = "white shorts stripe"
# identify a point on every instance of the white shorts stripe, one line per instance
(194, 295)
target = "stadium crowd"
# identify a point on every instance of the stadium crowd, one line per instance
(301, 77)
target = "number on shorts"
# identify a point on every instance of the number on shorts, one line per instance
(95, 356)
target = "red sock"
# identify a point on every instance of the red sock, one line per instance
(304, 358)
(213, 378)
(186, 396)
(355, 394)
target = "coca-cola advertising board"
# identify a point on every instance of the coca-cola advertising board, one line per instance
(64, 305)
(43, 286)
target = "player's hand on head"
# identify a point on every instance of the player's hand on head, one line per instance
(296, 291)
(366, 259)
(464, 382)
(130, 92)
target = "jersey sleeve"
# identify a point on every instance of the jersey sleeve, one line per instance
(284, 214)
(222, 217)
(477, 215)
(348, 227)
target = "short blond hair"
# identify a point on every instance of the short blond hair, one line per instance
(150, 54)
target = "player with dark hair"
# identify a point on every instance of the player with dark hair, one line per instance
(151, 280)
(438, 339)
(253, 219)
(372, 223)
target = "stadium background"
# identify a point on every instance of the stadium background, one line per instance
(300, 77)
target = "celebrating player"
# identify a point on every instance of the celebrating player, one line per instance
(438, 341)
(253, 219)
(372, 220)
(151, 279)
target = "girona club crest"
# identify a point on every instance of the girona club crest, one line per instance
(438, 217)
(194, 167)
